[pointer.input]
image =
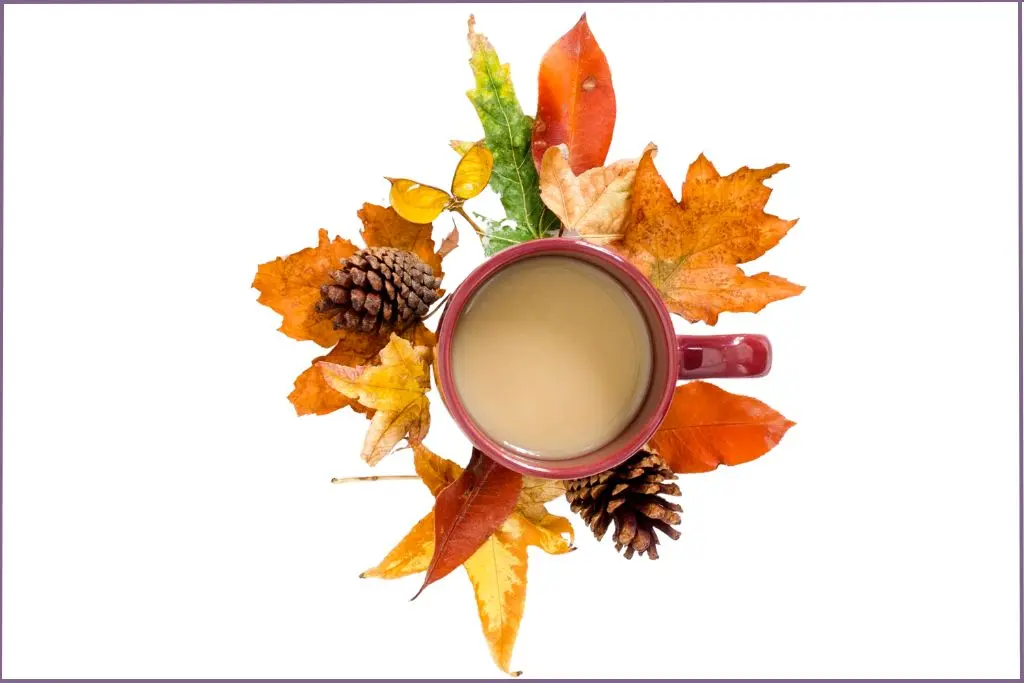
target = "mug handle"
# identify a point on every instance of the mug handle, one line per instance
(724, 355)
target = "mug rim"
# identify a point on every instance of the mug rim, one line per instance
(553, 469)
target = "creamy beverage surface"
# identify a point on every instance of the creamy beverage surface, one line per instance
(552, 357)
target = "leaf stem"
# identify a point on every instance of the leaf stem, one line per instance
(437, 307)
(376, 477)
(462, 212)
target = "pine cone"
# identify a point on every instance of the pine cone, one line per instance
(628, 494)
(377, 289)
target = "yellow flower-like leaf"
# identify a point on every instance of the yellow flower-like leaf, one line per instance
(395, 389)
(291, 286)
(497, 569)
(473, 172)
(416, 202)
(593, 203)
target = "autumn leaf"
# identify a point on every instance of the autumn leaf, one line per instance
(291, 286)
(383, 227)
(417, 202)
(497, 570)
(468, 511)
(707, 426)
(313, 396)
(507, 135)
(449, 243)
(462, 146)
(395, 390)
(592, 204)
(690, 250)
(575, 100)
(473, 172)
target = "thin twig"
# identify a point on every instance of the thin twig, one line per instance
(437, 307)
(462, 212)
(376, 477)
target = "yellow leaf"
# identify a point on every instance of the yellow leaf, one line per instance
(436, 472)
(411, 555)
(497, 569)
(548, 527)
(313, 395)
(291, 286)
(388, 427)
(473, 172)
(395, 389)
(415, 202)
(463, 146)
(592, 204)
(535, 492)
(550, 531)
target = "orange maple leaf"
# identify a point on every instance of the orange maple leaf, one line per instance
(383, 227)
(690, 250)
(291, 286)
(707, 426)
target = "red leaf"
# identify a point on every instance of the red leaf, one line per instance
(468, 511)
(575, 100)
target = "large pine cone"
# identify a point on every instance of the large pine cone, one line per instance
(628, 495)
(379, 289)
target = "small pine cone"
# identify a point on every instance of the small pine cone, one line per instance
(379, 289)
(628, 495)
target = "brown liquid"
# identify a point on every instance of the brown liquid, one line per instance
(552, 357)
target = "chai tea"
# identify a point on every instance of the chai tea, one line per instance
(552, 357)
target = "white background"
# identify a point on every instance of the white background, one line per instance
(165, 513)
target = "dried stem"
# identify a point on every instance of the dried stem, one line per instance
(462, 212)
(376, 477)
(437, 307)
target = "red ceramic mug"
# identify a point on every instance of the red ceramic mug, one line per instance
(674, 357)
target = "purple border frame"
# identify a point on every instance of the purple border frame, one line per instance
(1020, 214)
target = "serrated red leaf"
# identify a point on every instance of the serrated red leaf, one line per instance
(575, 100)
(468, 511)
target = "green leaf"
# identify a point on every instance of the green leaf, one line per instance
(507, 134)
(501, 234)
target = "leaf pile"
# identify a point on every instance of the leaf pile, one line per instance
(339, 379)
(550, 175)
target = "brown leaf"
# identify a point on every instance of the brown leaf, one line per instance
(449, 243)
(575, 100)
(690, 250)
(468, 511)
(592, 204)
(291, 286)
(707, 426)
(314, 396)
